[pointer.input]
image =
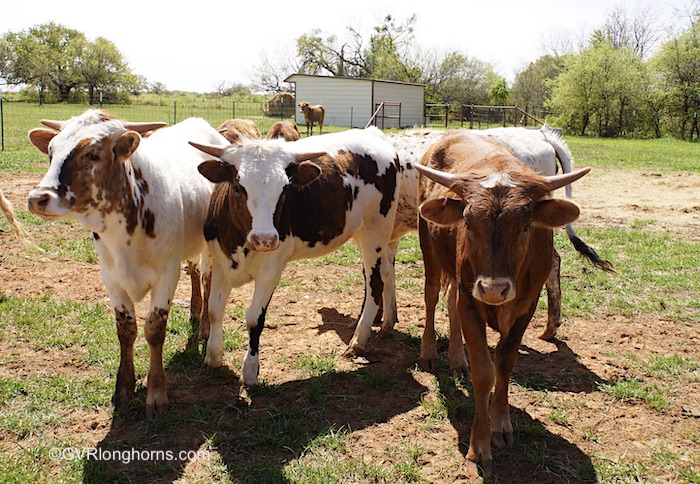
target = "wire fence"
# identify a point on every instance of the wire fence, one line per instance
(17, 118)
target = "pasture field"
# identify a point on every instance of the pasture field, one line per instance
(615, 398)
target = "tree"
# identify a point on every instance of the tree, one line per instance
(533, 85)
(600, 89)
(636, 31)
(678, 67)
(102, 68)
(385, 56)
(456, 78)
(499, 92)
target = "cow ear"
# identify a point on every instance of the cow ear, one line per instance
(217, 171)
(41, 139)
(127, 144)
(301, 174)
(442, 211)
(554, 213)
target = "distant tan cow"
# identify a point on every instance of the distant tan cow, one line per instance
(233, 129)
(312, 114)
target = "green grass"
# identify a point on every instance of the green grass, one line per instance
(294, 431)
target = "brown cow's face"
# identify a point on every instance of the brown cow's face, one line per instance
(495, 217)
(86, 166)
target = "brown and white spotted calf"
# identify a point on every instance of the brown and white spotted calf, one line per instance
(275, 202)
(145, 203)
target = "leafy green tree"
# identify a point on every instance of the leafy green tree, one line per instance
(533, 85)
(458, 79)
(678, 66)
(385, 56)
(102, 68)
(499, 93)
(600, 89)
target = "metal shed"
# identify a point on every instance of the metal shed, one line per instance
(352, 101)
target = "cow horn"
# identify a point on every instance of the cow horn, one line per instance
(558, 181)
(445, 179)
(299, 157)
(144, 126)
(52, 124)
(217, 151)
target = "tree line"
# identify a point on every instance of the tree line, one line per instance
(620, 80)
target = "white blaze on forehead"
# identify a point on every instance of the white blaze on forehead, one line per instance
(261, 166)
(499, 179)
(73, 131)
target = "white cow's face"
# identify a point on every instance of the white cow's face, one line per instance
(263, 168)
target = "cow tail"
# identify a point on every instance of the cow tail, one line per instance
(587, 251)
(18, 229)
(566, 160)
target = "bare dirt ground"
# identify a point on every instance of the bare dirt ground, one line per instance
(310, 316)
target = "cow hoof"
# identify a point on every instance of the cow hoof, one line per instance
(121, 401)
(502, 439)
(353, 352)
(472, 469)
(153, 409)
(548, 334)
(427, 364)
(213, 361)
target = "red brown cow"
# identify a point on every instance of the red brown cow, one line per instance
(485, 229)
(312, 114)
(234, 129)
(287, 130)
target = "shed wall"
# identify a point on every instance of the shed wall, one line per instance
(350, 102)
(347, 101)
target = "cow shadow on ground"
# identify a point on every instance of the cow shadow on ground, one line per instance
(253, 434)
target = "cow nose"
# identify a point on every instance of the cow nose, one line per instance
(264, 242)
(38, 202)
(494, 291)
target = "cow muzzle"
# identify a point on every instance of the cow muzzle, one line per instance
(494, 290)
(263, 242)
(44, 203)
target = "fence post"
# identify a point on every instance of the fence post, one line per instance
(471, 116)
(2, 124)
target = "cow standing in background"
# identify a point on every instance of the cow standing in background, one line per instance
(276, 201)
(145, 203)
(312, 114)
(485, 229)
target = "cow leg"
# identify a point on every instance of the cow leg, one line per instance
(126, 376)
(482, 371)
(458, 360)
(505, 355)
(265, 286)
(320, 127)
(215, 306)
(432, 284)
(377, 271)
(389, 292)
(154, 332)
(553, 285)
(193, 269)
(204, 325)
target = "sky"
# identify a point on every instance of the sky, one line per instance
(197, 45)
